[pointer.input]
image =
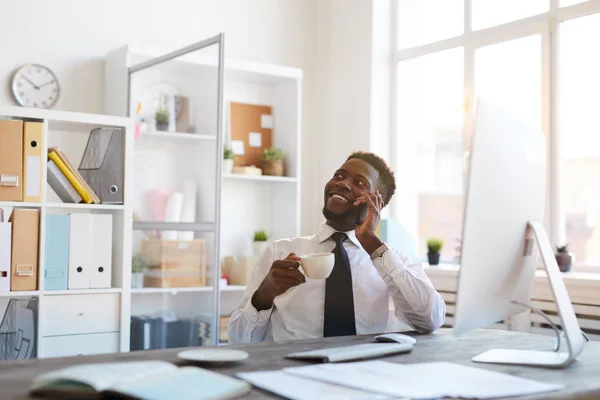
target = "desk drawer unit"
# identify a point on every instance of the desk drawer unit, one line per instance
(80, 314)
(75, 345)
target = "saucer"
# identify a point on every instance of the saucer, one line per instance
(211, 355)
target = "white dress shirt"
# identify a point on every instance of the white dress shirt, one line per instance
(298, 313)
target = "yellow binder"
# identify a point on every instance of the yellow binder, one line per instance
(33, 146)
(61, 165)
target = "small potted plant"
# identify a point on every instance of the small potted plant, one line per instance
(228, 158)
(139, 266)
(434, 246)
(272, 162)
(564, 259)
(162, 117)
(260, 242)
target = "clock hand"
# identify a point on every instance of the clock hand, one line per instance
(34, 85)
(47, 83)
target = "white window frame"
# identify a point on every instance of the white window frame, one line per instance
(546, 25)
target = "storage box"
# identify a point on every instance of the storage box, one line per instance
(174, 254)
(174, 263)
(174, 279)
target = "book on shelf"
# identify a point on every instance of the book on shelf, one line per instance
(138, 380)
(61, 185)
(73, 177)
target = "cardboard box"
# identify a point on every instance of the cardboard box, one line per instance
(175, 279)
(174, 263)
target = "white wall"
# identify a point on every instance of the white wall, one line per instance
(72, 37)
(353, 81)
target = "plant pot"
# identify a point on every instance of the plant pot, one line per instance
(258, 248)
(162, 126)
(564, 261)
(272, 167)
(433, 258)
(137, 280)
(227, 166)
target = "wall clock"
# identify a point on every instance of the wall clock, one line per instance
(34, 85)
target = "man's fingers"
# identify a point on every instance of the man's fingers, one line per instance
(292, 257)
(286, 264)
(283, 272)
(299, 275)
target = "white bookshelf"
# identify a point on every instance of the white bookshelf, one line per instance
(99, 318)
(261, 178)
(159, 135)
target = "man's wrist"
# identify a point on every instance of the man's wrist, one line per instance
(379, 252)
(261, 302)
(370, 242)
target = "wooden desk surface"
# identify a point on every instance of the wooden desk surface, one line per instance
(582, 377)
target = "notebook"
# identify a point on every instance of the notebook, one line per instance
(148, 380)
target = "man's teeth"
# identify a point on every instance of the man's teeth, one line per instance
(342, 198)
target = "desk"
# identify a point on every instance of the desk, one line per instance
(581, 377)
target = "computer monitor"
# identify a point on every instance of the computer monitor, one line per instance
(504, 207)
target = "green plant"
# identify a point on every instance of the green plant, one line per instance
(139, 263)
(260, 236)
(434, 245)
(271, 154)
(562, 249)
(162, 116)
(228, 154)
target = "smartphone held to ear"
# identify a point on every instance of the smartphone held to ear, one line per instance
(363, 211)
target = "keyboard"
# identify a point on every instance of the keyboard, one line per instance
(353, 352)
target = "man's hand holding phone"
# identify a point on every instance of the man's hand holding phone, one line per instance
(365, 229)
(283, 275)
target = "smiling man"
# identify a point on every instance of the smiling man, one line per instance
(281, 304)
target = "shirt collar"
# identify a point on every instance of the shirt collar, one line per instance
(326, 231)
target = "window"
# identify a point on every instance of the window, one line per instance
(417, 25)
(579, 133)
(487, 13)
(505, 52)
(509, 74)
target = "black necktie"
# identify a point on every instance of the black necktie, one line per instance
(339, 300)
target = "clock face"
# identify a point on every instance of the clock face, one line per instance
(34, 85)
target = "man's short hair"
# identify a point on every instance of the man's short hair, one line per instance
(387, 180)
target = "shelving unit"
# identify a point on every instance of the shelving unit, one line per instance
(83, 321)
(176, 136)
(229, 207)
(261, 178)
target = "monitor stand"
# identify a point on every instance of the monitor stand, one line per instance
(568, 320)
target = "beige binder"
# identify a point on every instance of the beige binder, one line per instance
(11, 160)
(25, 242)
(33, 149)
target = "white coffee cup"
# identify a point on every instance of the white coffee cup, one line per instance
(317, 265)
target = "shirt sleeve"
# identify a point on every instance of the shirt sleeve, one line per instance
(416, 301)
(247, 324)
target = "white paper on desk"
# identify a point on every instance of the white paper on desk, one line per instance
(423, 381)
(298, 388)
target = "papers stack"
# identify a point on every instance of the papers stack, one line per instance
(386, 380)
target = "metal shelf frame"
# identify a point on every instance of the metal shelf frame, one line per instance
(219, 41)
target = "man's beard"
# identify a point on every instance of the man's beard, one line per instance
(348, 215)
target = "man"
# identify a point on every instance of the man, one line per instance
(281, 304)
